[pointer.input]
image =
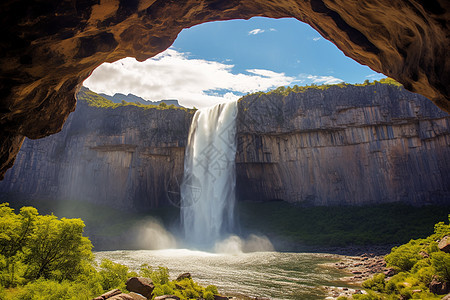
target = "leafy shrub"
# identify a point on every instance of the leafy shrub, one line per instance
(441, 263)
(43, 289)
(405, 256)
(376, 283)
(160, 276)
(208, 295)
(113, 275)
(212, 289)
(145, 271)
(419, 260)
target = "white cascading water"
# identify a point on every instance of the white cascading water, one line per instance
(209, 180)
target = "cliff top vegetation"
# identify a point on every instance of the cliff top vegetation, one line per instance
(95, 100)
(286, 90)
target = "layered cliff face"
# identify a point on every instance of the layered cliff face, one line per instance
(344, 145)
(48, 48)
(347, 145)
(126, 157)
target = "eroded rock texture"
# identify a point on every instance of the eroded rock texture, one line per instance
(49, 47)
(341, 146)
(125, 157)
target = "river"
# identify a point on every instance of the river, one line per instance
(274, 275)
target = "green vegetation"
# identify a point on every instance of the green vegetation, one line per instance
(339, 226)
(43, 257)
(417, 263)
(95, 100)
(185, 288)
(283, 90)
(34, 246)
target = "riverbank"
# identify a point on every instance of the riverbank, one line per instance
(359, 266)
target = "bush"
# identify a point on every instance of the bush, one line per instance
(43, 289)
(419, 260)
(160, 276)
(376, 283)
(405, 256)
(113, 275)
(212, 289)
(441, 263)
(208, 295)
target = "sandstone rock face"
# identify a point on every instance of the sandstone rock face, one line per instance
(126, 157)
(341, 146)
(351, 146)
(49, 47)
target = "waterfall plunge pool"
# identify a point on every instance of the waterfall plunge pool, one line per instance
(273, 275)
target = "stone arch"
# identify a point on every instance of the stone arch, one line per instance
(49, 47)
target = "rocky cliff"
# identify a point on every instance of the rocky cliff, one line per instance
(348, 145)
(341, 145)
(126, 156)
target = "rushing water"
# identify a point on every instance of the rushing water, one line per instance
(274, 275)
(208, 187)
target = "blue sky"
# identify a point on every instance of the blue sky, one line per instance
(221, 61)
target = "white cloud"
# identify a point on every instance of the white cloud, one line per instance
(272, 29)
(317, 79)
(172, 75)
(256, 31)
(376, 76)
(316, 39)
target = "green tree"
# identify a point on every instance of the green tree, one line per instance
(16, 231)
(57, 249)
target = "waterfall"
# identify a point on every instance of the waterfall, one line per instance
(209, 180)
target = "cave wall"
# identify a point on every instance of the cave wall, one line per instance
(49, 47)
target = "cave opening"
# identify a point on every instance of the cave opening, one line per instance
(222, 61)
(329, 148)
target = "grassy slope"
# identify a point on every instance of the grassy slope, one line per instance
(340, 226)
